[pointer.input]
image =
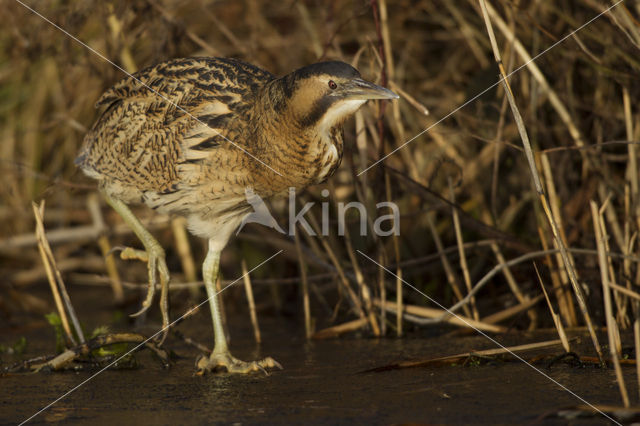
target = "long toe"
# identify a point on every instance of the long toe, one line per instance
(158, 274)
(226, 362)
(129, 253)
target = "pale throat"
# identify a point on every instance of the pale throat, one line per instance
(333, 118)
(337, 113)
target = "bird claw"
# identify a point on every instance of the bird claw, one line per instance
(115, 249)
(224, 361)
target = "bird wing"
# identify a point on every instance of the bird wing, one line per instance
(168, 118)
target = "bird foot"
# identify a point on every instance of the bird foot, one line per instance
(224, 361)
(156, 264)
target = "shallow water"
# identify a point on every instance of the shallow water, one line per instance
(322, 382)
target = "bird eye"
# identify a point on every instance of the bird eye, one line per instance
(332, 85)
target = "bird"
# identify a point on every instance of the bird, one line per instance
(192, 136)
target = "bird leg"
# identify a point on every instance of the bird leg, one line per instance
(221, 357)
(153, 255)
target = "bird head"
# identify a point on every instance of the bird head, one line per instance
(323, 95)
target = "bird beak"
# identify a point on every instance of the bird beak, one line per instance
(358, 89)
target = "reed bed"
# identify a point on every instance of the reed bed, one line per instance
(513, 147)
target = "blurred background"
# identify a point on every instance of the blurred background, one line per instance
(462, 184)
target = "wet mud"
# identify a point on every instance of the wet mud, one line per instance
(323, 382)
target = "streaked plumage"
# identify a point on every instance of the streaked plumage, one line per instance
(190, 136)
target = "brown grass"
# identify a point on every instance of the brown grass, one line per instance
(577, 103)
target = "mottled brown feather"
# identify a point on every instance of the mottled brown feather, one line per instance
(191, 145)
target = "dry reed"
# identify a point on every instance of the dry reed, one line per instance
(576, 122)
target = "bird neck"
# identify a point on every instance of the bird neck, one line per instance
(274, 101)
(280, 108)
(281, 127)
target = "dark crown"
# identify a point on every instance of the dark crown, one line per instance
(333, 68)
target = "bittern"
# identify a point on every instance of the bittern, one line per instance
(191, 136)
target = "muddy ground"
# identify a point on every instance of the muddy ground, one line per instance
(322, 381)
